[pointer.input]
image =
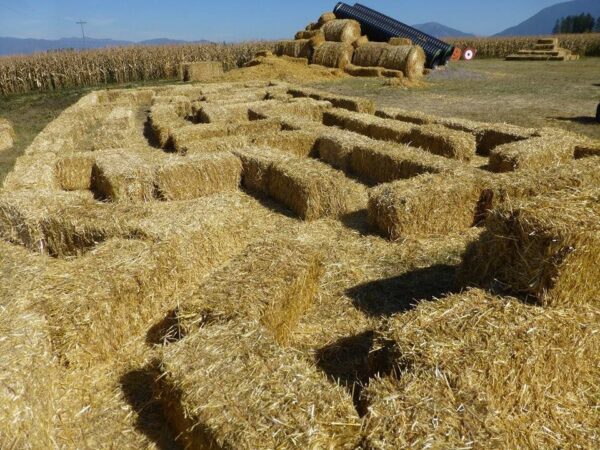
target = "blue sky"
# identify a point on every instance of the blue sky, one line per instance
(237, 20)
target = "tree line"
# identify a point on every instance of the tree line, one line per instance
(583, 23)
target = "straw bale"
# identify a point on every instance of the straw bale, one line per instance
(201, 71)
(273, 282)
(163, 119)
(256, 163)
(454, 123)
(117, 128)
(546, 248)
(333, 54)
(297, 142)
(264, 396)
(341, 30)
(198, 176)
(298, 48)
(476, 371)
(428, 204)
(370, 54)
(120, 175)
(216, 144)
(356, 104)
(326, 17)
(357, 71)
(360, 41)
(369, 125)
(308, 34)
(182, 104)
(7, 135)
(533, 153)
(400, 41)
(404, 115)
(215, 113)
(441, 141)
(335, 147)
(185, 137)
(121, 97)
(33, 172)
(307, 108)
(409, 59)
(74, 172)
(489, 136)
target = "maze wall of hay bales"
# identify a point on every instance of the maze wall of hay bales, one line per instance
(260, 265)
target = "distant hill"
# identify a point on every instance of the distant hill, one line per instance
(543, 22)
(14, 46)
(438, 30)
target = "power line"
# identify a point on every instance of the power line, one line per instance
(82, 23)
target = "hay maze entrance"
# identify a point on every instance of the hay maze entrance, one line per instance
(239, 266)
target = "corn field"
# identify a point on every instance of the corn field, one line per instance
(587, 44)
(65, 69)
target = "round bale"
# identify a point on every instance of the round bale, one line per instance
(342, 30)
(410, 59)
(370, 54)
(326, 17)
(333, 54)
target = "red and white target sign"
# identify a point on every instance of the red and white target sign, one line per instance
(468, 54)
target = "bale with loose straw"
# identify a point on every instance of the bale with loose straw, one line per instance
(404, 115)
(400, 41)
(546, 248)
(198, 176)
(272, 282)
(181, 139)
(298, 48)
(201, 71)
(473, 368)
(341, 30)
(489, 136)
(333, 54)
(534, 153)
(120, 175)
(326, 18)
(357, 71)
(356, 104)
(410, 59)
(238, 411)
(441, 141)
(425, 205)
(74, 172)
(7, 135)
(307, 108)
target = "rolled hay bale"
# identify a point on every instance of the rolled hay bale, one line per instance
(429, 204)
(201, 71)
(326, 18)
(356, 104)
(317, 40)
(333, 54)
(439, 140)
(360, 41)
(311, 411)
(307, 108)
(404, 115)
(341, 30)
(534, 153)
(489, 136)
(273, 282)
(7, 135)
(183, 138)
(369, 54)
(74, 172)
(357, 71)
(309, 34)
(120, 175)
(410, 59)
(546, 248)
(198, 176)
(489, 347)
(298, 48)
(400, 41)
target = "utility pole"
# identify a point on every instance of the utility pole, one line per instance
(82, 23)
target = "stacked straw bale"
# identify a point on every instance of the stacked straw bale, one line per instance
(356, 104)
(416, 117)
(33, 172)
(341, 30)
(272, 282)
(333, 54)
(74, 172)
(229, 385)
(546, 248)
(298, 48)
(117, 129)
(306, 108)
(462, 364)
(489, 136)
(164, 119)
(7, 135)
(198, 176)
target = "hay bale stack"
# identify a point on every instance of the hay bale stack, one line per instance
(400, 41)
(404, 115)
(298, 48)
(546, 248)
(439, 140)
(304, 34)
(369, 54)
(409, 59)
(306, 108)
(356, 104)
(326, 18)
(239, 411)
(429, 204)
(74, 172)
(341, 30)
(534, 153)
(163, 120)
(120, 175)
(462, 363)
(360, 41)
(357, 71)
(198, 176)
(201, 71)
(272, 282)
(7, 135)
(180, 139)
(116, 129)
(333, 54)
(489, 136)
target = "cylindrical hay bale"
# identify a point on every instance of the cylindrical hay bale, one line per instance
(312, 26)
(400, 41)
(317, 40)
(309, 34)
(333, 54)
(300, 48)
(370, 54)
(325, 18)
(360, 41)
(410, 59)
(344, 30)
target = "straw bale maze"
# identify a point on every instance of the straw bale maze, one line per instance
(260, 265)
